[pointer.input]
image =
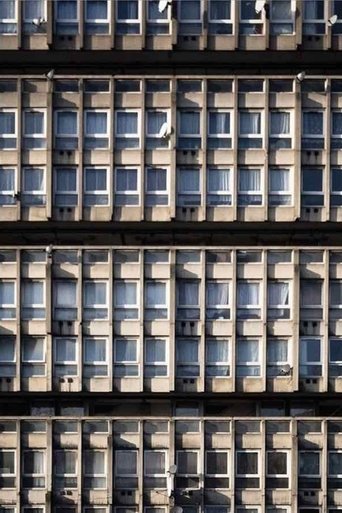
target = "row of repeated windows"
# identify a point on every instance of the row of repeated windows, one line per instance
(158, 133)
(128, 186)
(190, 14)
(212, 86)
(217, 466)
(154, 361)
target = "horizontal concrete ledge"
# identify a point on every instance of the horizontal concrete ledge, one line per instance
(80, 62)
(171, 233)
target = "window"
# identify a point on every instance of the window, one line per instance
(278, 358)
(33, 186)
(126, 300)
(32, 299)
(314, 23)
(248, 257)
(187, 463)
(65, 187)
(126, 358)
(336, 187)
(312, 187)
(65, 300)
(189, 130)
(187, 357)
(189, 86)
(219, 17)
(97, 16)
(8, 124)
(65, 469)
(311, 299)
(309, 464)
(8, 17)
(249, 187)
(336, 129)
(33, 469)
(248, 358)
(250, 21)
(218, 187)
(32, 357)
(66, 17)
(312, 130)
(155, 469)
(7, 300)
(189, 17)
(278, 300)
(34, 129)
(277, 465)
(280, 130)
(335, 464)
(250, 135)
(127, 129)
(155, 300)
(126, 469)
(34, 10)
(280, 85)
(96, 132)
(248, 300)
(217, 300)
(7, 356)
(127, 17)
(95, 302)
(188, 187)
(281, 17)
(94, 469)
(65, 356)
(310, 364)
(157, 22)
(247, 469)
(126, 186)
(219, 130)
(335, 303)
(95, 186)
(279, 188)
(66, 130)
(7, 468)
(335, 357)
(7, 186)
(217, 358)
(155, 363)
(216, 463)
(155, 121)
(188, 300)
(95, 359)
(157, 86)
(156, 183)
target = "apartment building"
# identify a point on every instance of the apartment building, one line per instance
(170, 256)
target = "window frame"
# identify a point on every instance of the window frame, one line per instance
(95, 306)
(97, 192)
(166, 454)
(126, 192)
(248, 451)
(157, 363)
(93, 476)
(136, 135)
(65, 192)
(61, 135)
(31, 136)
(124, 451)
(187, 450)
(215, 451)
(157, 192)
(34, 192)
(288, 463)
(11, 136)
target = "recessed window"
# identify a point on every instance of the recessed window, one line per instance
(312, 194)
(219, 17)
(219, 130)
(156, 193)
(126, 300)
(96, 86)
(188, 187)
(66, 17)
(96, 131)
(248, 358)
(126, 186)
(34, 129)
(278, 358)
(65, 356)
(189, 130)
(65, 187)
(278, 299)
(249, 187)
(66, 130)
(282, 17)
(33, 186)
(96, 191)
(7, 186)
(250, 20)
(189, 17)
(217, 358)
(157, 19)
(310, 363)
(97, 16)
(95, 301)
(250, 135)
(279, 186)
(64, 300)
(280, 130)
(312, 130)
(188, 299)
(34, 10)
(336, 187)
(32, 299)
(126, 357)
(127, 126)
(155, 363)
(8, 17)
(217, 300)
(157, 136)
(127, 17)
(314, 23)
(33, 357)
(155, 300)
(187, 357)
(8, 128)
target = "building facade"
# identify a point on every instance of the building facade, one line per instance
(170, 256)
